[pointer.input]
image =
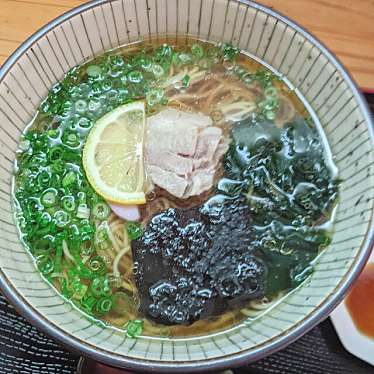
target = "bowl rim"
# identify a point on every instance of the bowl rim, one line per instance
(234, 359)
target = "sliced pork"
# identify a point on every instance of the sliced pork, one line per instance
(183, 151)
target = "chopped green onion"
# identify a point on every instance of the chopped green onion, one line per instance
(43, 219)
(70, 139)
(240, 72)
(100, 287)
(135, 76)
(94, 105)
(83, 212)
(134, 328)
(271, 92)
(104, 305)
(93, 71)
(197, 50)
(68, 203)
(24, 145)
(57, 167)
(264, 77)
(116, 60)
(146, 63)
(270, 115)
(86, 248)
(88, 303)
(46, 265)
(101, 211)
(87, 229)
(229, 51)
(65, 291)
(102, 234)
(53, 133)
(69, 178)
(97, 265)
(62, 218)
(186, 81)
(44, 177)
(184, 58)
(80, 106)
(158, 70)
(43, 246)
(79, 289)
(248, 78)
(49, 197)
(55, 153)
(135, 230)
(82, 197)
(164, 50)
(46, 230)
(154, 97)
(84, 273)
(84, 123)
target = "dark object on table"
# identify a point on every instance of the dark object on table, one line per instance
(24, 350)
(370, 99)
(87, 366)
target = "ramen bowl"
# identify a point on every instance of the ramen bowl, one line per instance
(307, 66)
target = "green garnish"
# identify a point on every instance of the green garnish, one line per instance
(79, 290)
(197, 50)
(186, 81)
(134, 328)
(154, 97)
(97, 266)
(83, 211)
(228, 51)
(104, 305)
(101, 211)
(45, 265)
(100, 287)
(93, 71)
(290, 195)
(135, 230)
(68, 203)
(49, 197)
(62, 218)
(69, 179)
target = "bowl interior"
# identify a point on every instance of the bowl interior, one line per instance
(316, 77)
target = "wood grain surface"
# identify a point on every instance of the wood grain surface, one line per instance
(345, 26)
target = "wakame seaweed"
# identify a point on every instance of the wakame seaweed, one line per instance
(291, 193)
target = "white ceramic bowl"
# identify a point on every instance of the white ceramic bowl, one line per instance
(306, 64)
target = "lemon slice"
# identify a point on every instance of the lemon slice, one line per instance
(113, 155)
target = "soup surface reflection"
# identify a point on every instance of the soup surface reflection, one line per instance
(173, 188)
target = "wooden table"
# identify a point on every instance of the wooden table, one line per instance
(346, 26)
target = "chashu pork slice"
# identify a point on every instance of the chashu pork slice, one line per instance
(183, 151)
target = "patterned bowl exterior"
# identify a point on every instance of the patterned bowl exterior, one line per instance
(316, 76)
